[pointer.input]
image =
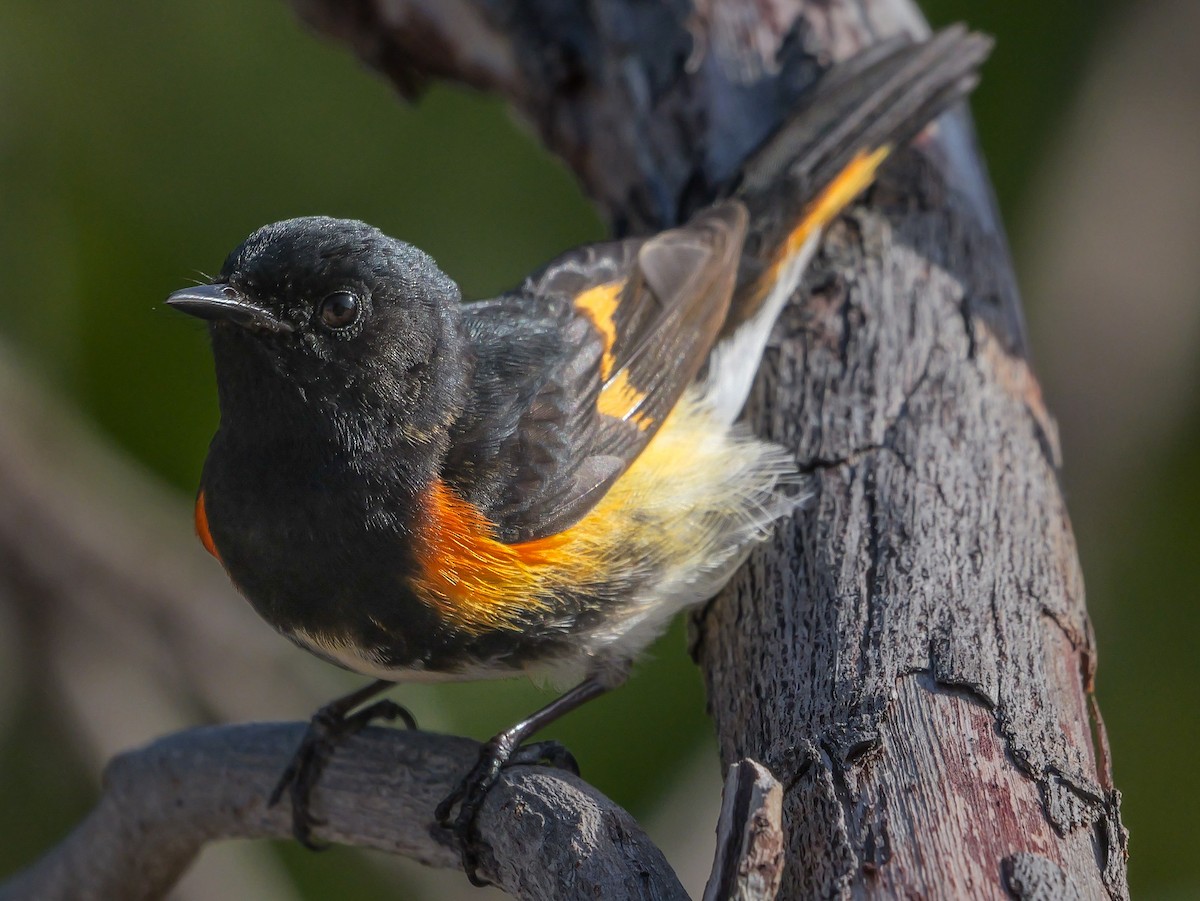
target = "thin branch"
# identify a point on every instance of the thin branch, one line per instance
(549, 834)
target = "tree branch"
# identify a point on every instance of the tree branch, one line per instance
(547, 834)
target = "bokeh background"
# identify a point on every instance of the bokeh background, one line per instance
(140, 142)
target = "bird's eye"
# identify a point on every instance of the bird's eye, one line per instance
(339, 310)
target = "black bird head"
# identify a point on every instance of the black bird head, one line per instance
(331, 324)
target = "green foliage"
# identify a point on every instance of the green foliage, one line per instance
(1149, 690)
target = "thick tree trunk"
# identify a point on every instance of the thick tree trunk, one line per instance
(912, 658)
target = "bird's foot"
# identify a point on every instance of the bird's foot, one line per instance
(329, 726)
(502, 751)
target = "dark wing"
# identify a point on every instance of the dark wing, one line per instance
(576, 370)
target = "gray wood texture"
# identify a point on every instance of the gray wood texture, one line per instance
(550, 835)
(926, 658)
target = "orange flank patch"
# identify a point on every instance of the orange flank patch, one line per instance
(202, 527)
(476, 582)
(668, 522)
(619, 398)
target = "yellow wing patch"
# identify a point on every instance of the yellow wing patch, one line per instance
(599, 304)
(619, 398)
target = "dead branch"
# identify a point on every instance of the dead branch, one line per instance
(750, 837)
(548, 834)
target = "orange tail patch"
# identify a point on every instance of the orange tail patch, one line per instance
(599, 304)
(837, 195)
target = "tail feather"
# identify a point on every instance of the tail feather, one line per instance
(806, 173)
(876, 98)
(860, 110)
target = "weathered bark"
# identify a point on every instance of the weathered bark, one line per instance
(913, 657)
(926, 619)
(549, 835)
(750, 837)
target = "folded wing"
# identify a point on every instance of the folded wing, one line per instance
(578, 368)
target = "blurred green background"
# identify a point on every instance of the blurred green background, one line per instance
(140, 143)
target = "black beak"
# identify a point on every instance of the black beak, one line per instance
(221, 302)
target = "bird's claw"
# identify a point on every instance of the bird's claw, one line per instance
(472, 791)
(329, 726)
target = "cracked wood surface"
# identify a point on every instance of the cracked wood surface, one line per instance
(925, 622)
(163, 802)
(912, 657)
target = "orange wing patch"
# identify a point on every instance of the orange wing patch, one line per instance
(599, 304)
(619, 398)
(476, 582)
(206, 538)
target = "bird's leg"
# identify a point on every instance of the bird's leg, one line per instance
(504, 750)
(328, 726)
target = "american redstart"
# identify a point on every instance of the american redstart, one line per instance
(415, 488)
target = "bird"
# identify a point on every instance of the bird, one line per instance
(419, 488)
